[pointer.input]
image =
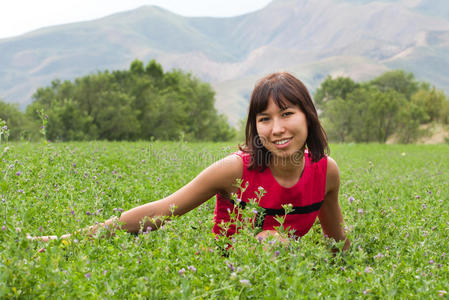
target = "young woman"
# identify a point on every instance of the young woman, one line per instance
(284, 155)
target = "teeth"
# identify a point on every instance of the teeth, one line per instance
(281, 142)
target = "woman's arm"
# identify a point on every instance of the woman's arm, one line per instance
(330, 215)
(217, 178)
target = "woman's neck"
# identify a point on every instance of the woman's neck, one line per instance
(288, 167)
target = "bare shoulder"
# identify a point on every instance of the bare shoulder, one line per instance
(332, 175)
(231, 165)
(223, 174)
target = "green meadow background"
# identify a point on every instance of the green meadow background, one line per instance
(395, 201)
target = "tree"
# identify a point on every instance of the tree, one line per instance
(382, 109)
(431, 101)
(136, 67)
(117, 120)
(19, 125)
(409, 118)
(131, 104)
(331, 89)
(392, 104)
(398, 80)
(338, 120)
(154, 70)
(361, 127)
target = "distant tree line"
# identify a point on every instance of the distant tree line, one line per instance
(143, 102)
(393, 104)
(147, 103)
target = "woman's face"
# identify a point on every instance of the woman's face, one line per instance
(282, 131)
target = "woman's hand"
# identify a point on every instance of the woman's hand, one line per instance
(46, 238)
(262, 236)
(110, 226)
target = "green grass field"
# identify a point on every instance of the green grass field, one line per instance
(394, 198)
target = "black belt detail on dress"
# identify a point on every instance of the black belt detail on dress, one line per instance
(297, 210)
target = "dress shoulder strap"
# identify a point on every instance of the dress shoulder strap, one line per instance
(245, 157)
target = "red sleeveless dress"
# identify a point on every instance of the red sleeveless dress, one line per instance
(306, 197)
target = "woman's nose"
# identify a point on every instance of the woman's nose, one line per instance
(278, 127)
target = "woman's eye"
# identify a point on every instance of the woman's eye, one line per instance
(287, 113)
(263, 119)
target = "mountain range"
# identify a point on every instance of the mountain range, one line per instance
(310, 38)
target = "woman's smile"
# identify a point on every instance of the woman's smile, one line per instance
(282, 143)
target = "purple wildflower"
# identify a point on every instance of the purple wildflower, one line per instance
(182, 271)
(431, 262)
(379, 255)
(74, 165)
(417, 196)
(3, 228)
(105, 272)
(424, 206)
(360, 211)
(18, 173)
(245, 282)
(276, 253)
(230, 266)
(191, 268)
(88, 275)
(351, 199)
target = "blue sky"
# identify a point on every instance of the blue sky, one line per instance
(21, 16)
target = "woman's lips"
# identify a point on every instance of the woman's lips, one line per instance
(285, 143)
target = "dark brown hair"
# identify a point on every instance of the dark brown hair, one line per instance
(282, 87)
